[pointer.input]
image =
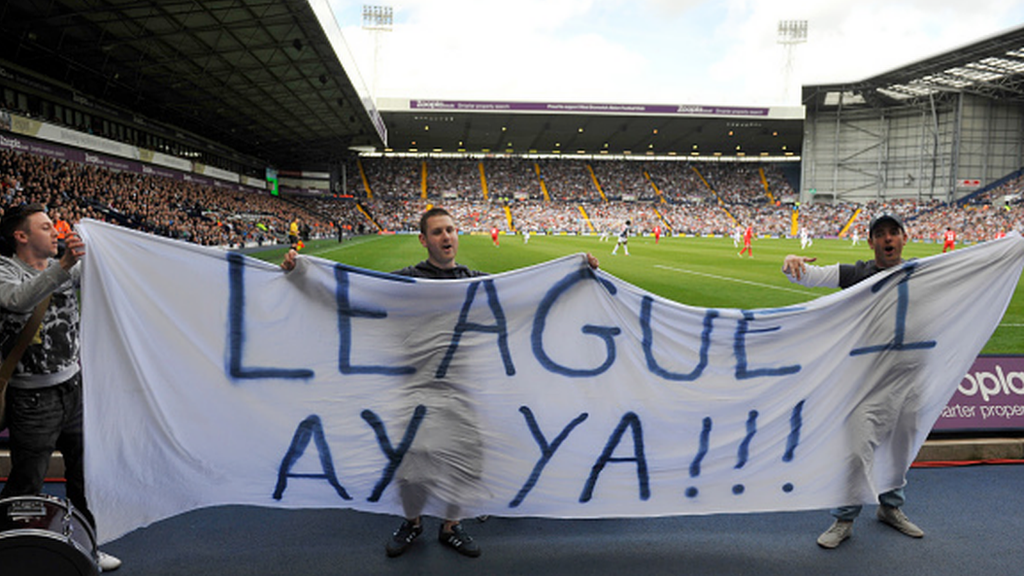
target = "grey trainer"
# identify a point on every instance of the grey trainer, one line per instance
(834, 536)
(897, 519)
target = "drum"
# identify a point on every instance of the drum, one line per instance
(45, 535)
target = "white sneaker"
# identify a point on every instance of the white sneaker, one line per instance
(107, 563)
(897, 519)
(834, 536)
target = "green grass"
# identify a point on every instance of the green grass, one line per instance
(701, 272)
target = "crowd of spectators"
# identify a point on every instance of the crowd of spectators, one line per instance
(678, 197)
(679, 182)
(454, 179)
(568, 181)
(623, 180)
(206, 215)
(393, 178)
(511, 178)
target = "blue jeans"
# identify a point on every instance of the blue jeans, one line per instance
(40, 421)
(893, 499)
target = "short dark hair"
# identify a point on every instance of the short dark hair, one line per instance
(430, 214)
(14, 219)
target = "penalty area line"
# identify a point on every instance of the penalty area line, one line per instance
(737, 280)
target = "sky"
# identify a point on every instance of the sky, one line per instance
(695, 52)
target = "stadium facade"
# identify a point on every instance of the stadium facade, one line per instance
(939, 129)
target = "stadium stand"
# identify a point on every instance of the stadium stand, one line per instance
(696, 199)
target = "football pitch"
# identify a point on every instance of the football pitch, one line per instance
(704, 272)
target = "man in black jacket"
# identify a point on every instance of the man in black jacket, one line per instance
(886, 237)
(440, 236)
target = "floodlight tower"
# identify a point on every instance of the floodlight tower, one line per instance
(791, 33)
(376, 20)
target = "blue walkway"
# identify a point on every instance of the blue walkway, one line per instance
(973, 518)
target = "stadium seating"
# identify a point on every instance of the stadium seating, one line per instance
(582, 197)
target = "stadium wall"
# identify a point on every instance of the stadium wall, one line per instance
(942, 149)
(991, 141)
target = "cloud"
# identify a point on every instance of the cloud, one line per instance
(654, 51)
(854, 41)
(480, 50)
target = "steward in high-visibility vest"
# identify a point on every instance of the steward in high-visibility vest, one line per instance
(61, 226)
(63, 229)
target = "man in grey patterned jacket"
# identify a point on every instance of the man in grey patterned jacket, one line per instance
(44, 396)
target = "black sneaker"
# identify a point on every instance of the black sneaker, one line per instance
(403, 538)
(459, 540)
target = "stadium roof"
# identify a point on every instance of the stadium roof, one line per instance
(992, 67)
(636, 130)
(258, 76)
(265, 78)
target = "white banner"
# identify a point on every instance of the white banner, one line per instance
(212, 378)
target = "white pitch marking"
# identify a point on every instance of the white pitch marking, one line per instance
(802, 292)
